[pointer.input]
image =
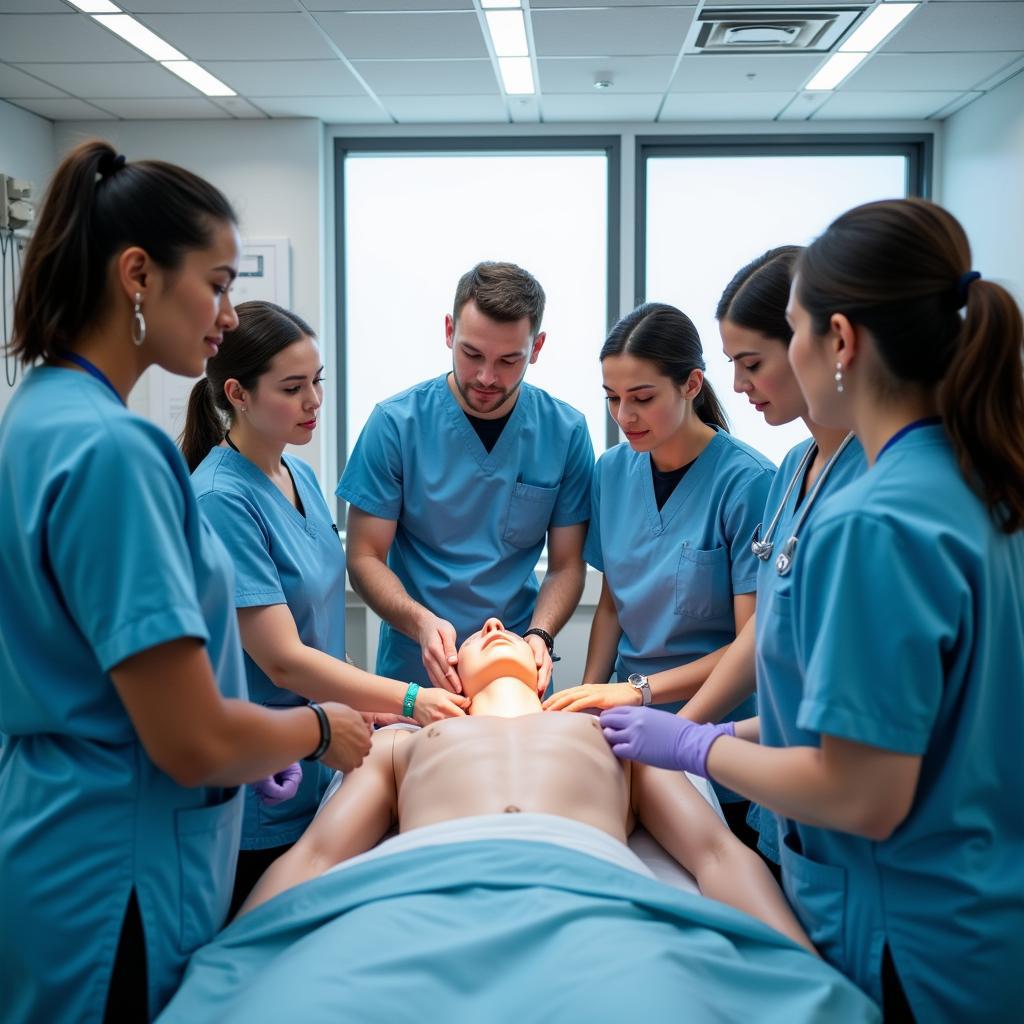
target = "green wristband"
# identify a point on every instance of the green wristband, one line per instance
(410, 699)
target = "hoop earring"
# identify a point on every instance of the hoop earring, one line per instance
(839, 377)
(138, 322)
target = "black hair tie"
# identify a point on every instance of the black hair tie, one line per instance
(110, 164)
(962, 285)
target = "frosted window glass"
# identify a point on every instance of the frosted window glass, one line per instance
(415, 223)
(708, 216)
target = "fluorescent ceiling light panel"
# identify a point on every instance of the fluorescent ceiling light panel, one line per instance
(516, 75)
(499, 4)
(835, 69)
(198, 77)
(134, 32)
(878, 24)
(508, 33)
(96, 6)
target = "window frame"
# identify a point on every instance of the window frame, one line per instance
(609, 145)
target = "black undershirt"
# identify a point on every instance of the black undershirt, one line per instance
(489, 430)
(666, 483)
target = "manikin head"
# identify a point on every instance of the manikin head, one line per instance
(493, 654)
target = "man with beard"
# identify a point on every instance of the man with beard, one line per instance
(455, 484)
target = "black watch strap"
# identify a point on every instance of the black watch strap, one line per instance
(325, 733)
(549, 640)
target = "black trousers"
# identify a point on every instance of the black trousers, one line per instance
(251, 865)
(126, 998)
(895, 1007)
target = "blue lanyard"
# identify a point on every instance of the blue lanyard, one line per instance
(928, 421)
(90, 368)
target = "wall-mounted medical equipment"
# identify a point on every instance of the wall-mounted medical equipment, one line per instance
(16, 213)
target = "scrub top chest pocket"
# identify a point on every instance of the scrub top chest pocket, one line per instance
(529, 513)
(703, 583)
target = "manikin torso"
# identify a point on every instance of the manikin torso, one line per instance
(507, 756)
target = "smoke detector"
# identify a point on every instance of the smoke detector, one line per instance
(769, 29)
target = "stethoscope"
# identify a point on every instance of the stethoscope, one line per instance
(763, 547)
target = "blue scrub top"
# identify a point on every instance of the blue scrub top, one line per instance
(280, 557)
(908, 615)
(471, 524)
(775, 654)
(103, 554)
(673, 573)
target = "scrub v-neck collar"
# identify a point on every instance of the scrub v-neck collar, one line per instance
(488, 461)
(256, 475)
(699, 470)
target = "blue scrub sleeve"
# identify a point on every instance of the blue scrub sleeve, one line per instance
(117, 549)
(372, 480)
(243, 532)
(572, 505)
(745, 511)
(592, 554)
(870, 628)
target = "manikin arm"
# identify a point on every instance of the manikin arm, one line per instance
(353, 821)
(679, 818)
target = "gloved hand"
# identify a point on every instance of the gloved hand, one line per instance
(280, 786)
(661, 739)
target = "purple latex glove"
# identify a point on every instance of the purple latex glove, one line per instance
(661, 739)
(280, 786)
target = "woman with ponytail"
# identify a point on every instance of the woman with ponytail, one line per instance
(900, 785)
(673, 510)
(262, 391)
(125, 730)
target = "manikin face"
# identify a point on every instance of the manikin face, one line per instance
(284, 405)
(648, 406)
(761, 371)
(189, 310)
(489, 359)
(494, 653)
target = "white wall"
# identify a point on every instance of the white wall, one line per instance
(26, 151)
(271, 172)
(980, 178)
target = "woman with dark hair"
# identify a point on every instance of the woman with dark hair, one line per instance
(673, 510)
(900, 784)
(125, 728)
(262, 391)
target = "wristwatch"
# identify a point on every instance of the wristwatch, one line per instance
(641, 683)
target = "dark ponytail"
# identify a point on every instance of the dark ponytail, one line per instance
(96, 205)
(900, 268)
(666, 337)
(245, 355)
(757, 296)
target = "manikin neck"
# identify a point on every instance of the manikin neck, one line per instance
(506, 697)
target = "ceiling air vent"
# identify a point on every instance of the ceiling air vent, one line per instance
(769, 29)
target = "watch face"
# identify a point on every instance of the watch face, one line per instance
(636, 680)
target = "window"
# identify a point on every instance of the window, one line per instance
(417, 215)
(705, 209)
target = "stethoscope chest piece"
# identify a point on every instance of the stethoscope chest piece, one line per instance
(784, 562)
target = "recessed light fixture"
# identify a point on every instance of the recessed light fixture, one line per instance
(835, 69)
(199, 77)
(499, 4)
(96, 6)
(876, 26)
(516, 75)
(508, 33)
(134, 32)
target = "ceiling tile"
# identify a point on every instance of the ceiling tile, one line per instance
(627, 74)
(408, 36)
(206, 6)
(916, 71)
(164, 109)
(337, 110)
(727, 73)
(429, 77)
(887, 105)
(241, 36)
(318, 6)
(66, 110)
(52, 37)
(143, 80)
(237, 107)
(524, 109)
(953, 27)
(723, 106)
(640, 31)
(34, 7)
(803, 105)
(287, 77)
(15, 83)
(578, 4)
(435, 109)
(957, 105)
(596, 107)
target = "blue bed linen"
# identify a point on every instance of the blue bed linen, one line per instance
(503, 930)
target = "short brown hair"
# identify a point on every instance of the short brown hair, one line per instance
(502, 291)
